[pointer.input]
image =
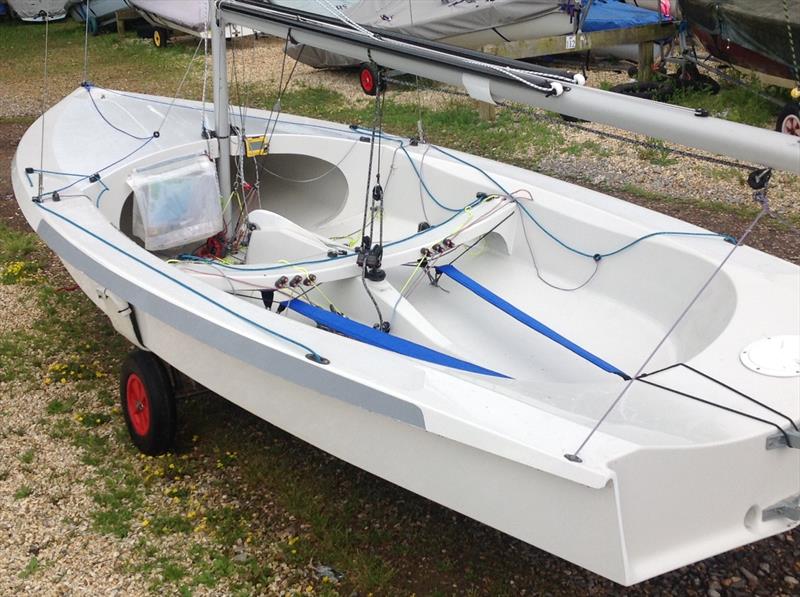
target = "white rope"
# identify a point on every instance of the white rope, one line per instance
(344, 18)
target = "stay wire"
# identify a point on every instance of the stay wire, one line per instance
(86, 44)
(44, 102)
(575, 456)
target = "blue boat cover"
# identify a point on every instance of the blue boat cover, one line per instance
(522, 317)
(364, 333)
(613, 14)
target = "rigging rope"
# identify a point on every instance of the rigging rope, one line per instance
(761, 197)
(44, 101)
(371, 252)
(86, 45)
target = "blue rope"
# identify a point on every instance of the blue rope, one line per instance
(424, 185)
(37, 170)
(401, 141)
(183, 285)
(595, 256)
(473, 166)
(88, 89)
(87, 176)
(599, 256)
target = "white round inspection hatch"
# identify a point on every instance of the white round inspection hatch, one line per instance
(776, 356)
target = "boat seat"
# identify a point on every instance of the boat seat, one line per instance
(275, 238)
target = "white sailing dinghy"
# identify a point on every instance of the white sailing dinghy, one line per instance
(471, 331)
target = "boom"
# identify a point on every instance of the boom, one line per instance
(491, 78)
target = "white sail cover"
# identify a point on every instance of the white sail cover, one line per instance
(28, 10)
(187, 14)
(468, 23)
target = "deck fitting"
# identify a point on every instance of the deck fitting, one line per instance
(789, 508)
(787, 439)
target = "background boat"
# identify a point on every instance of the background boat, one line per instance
(471, 24)
(100, 12)
(29, 10)
(754, 35)
(186, 16)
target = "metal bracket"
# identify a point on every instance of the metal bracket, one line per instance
(779, 440)
(789, 508)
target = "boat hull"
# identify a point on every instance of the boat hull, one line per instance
(635, 507)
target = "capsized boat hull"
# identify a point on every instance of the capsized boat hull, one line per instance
(665, 482)
(29, 10)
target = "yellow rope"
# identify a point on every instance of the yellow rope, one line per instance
(313, 283)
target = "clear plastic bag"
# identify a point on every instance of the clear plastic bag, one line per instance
(176, 203)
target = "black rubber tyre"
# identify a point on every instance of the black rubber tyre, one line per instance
(148, 402)
(789, 119)
(94, 26)
(651, 90)
(160, 37)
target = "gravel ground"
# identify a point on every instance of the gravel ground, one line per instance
(50, 524)
(49, 483)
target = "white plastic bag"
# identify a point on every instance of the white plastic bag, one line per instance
(176, 203)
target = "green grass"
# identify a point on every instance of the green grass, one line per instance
(658, 153)
(15, 245)
(23, 492)
(60, 407)
(169, 524)
(27, 456)
(739, 103)
(456, 124)
(114, 63)
(118, 503)
(31, 568)
(15, 348)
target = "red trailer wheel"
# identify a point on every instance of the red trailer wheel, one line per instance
(148, 402)
(789, 120)
(371, 79)
(138, 405)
